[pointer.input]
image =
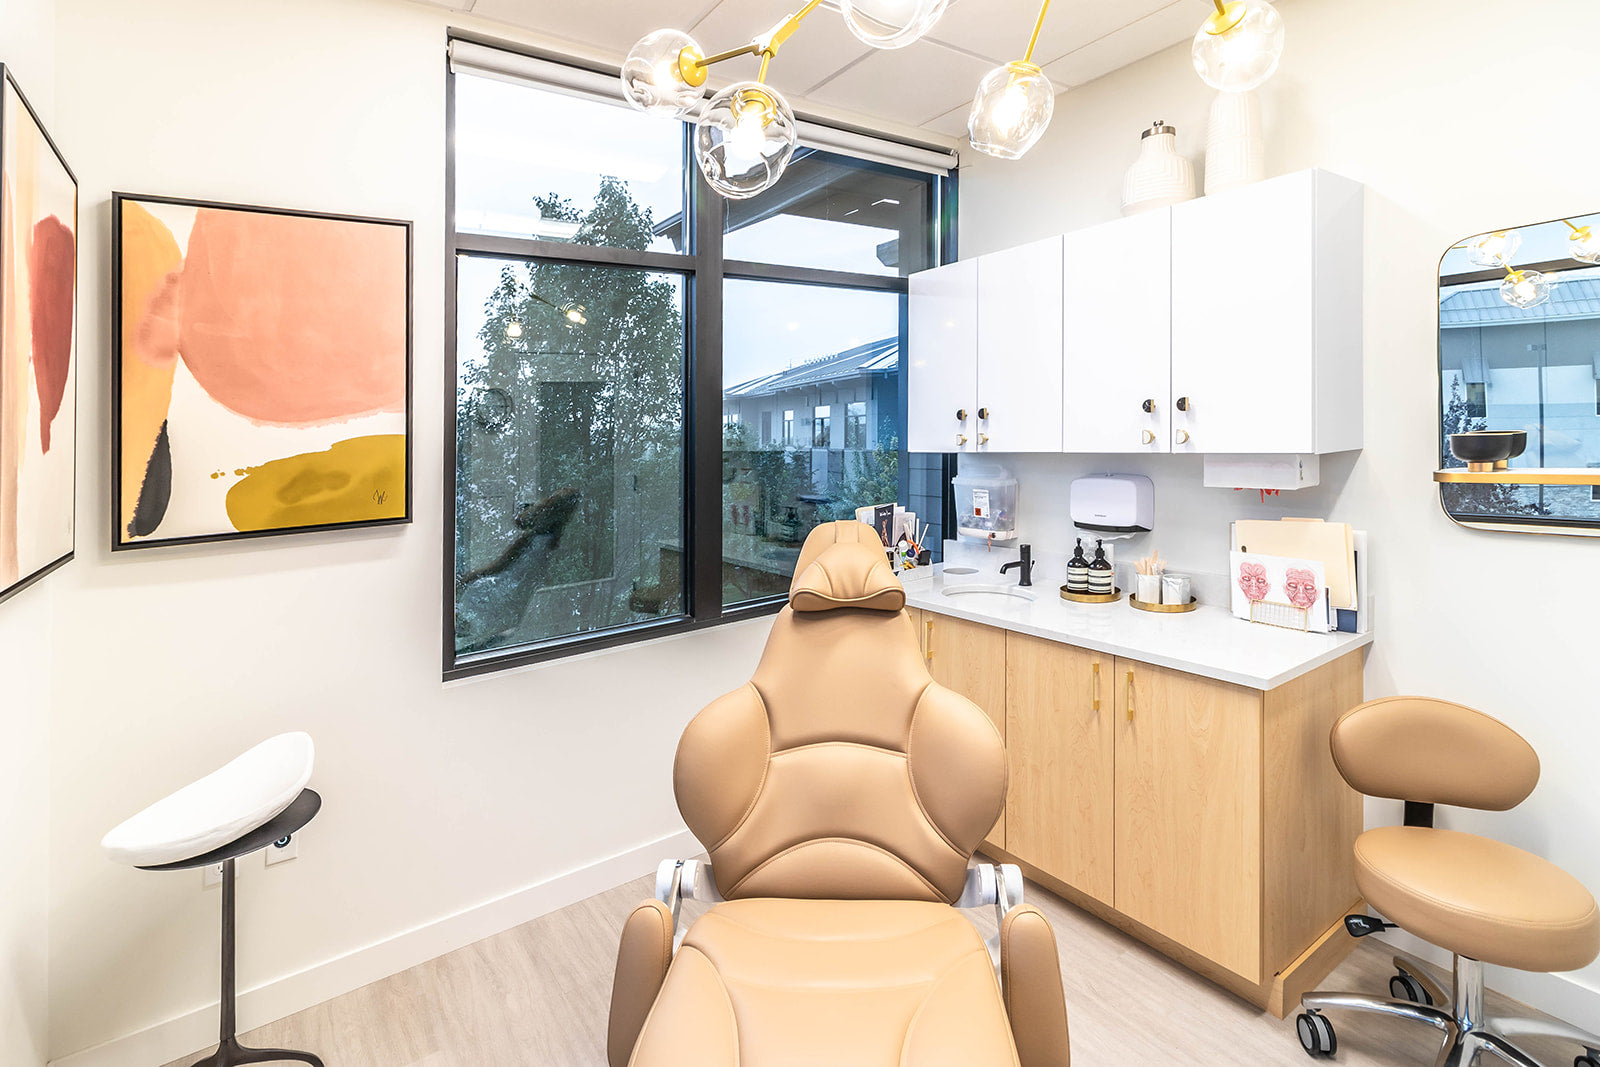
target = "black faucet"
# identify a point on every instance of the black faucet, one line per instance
(1026, 563)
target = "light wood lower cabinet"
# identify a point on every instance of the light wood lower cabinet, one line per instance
(970, 659)
(1060, 744)
(1205, 818)
(1188, 811)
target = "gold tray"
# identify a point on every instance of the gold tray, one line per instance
(1135, 602)
(1091, 598)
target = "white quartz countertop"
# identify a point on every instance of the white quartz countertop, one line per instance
(1208, 641)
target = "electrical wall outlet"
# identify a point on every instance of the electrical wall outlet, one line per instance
(283, 851)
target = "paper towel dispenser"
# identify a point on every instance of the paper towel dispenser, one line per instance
(1113, 503)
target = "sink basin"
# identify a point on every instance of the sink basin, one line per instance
(999, 592)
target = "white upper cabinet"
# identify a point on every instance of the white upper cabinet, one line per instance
(1117, 342)
(942, 356)
(1228, 324)
(1019, 349)
(1266, 317)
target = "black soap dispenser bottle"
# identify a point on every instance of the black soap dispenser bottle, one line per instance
(1102, 579)
(1078, 571)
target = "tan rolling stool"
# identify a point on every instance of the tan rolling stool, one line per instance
(1483, 901)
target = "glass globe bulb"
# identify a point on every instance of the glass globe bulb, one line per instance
(1011, 110)
(513, 330)
(744, 138)
(1494, 249)
(574, 314)
(1583, 246)
(1237, 49)
(1525, 289)
(657, 80)
(890, 23)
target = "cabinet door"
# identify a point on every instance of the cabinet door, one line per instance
(1117, 336)
(1188, 812)
(1243, 319)
(1060, 744)
(1019, 349)
(970, 659)
(942, 358)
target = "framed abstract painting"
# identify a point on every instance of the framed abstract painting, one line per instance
(38, 346)
(262, 378)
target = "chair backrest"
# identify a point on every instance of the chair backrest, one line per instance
(842, 770)
(1433, 752)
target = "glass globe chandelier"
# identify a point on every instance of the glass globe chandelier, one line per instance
(890, 23)
(1525, 289)
(1013, 104)
(1237, 48)
(575, 314)
(1493, 249)
(1582, 244)
(745, 134)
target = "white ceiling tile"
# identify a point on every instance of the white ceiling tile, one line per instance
(613, 25)
(952, 123)
(1173, 23)
(912, 85)
(819, 48)
(999, 29)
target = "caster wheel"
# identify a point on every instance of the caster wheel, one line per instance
(1404, 987)
(1316, 1035)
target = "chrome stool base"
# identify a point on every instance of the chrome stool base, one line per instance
(1468, 1032)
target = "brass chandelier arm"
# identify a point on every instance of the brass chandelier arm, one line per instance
(1224, 19)
(693, 67)
(1038, 26)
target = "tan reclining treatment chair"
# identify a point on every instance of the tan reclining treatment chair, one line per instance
(1484, 901)
(840, 794)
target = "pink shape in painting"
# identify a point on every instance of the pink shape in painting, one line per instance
(1253, 580)
(52, 262)
(290, 320)
(1301, 586)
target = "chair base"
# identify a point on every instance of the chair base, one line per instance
(230, 1054)
(1467, 1031)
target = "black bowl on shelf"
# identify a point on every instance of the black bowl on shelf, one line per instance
(1486, 450)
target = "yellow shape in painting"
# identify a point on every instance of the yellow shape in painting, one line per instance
(359, 480)
(149, 254)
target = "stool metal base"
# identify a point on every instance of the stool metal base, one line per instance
(1469, 1033)
(230, 1053)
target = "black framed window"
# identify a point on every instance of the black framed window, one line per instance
(656, 393)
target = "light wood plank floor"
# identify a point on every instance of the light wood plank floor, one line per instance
(538, 995)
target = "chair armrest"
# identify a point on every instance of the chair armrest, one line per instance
(642, 961)
(1031, 983)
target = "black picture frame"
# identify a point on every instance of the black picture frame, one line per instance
(8, 82)
(119, 542)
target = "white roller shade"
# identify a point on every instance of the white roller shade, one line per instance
(470, 57)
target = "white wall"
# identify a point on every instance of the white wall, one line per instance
(1460, 116)
(170, 661)
(27, 45)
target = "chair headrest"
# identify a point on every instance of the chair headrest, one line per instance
(842, 565)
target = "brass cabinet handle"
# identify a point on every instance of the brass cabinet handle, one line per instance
(1097, 686)
(1148, 437)
(983, 438)
(961, 438)
(1130, 696)
(1149, 407)
(1184, 403)
(1183, 437)
(983, 413)
(927, 643)
(961, 414)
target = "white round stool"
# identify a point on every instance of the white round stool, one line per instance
(253, 802)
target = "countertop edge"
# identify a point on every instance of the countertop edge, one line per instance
(921, 600)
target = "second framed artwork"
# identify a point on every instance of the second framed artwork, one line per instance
(262, 378)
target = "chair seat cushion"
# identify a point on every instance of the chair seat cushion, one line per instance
(1479, 897)
(221, 807)
(785, 983)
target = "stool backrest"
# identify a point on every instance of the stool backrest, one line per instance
(1433, 752)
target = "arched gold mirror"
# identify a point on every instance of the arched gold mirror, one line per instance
(1519, 379)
